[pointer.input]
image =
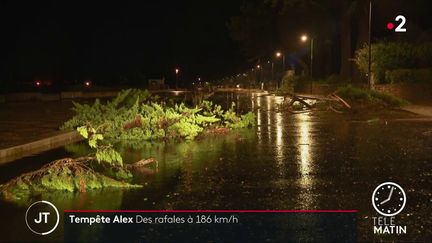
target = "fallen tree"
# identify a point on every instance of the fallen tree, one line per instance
(342, 100)
(306, 103)
(132, 116)
(71, 175)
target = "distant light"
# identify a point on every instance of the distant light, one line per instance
(258, 66)
(87, 83)
(278, 54)
(304, 38)
(176, 92)
(38, 83)
(199, 79)
(238, 86)
(177, 70)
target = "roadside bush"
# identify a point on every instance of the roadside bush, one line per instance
(423, 75)
(334, 79)
(394, 55)
(359, 95)
(292, 82)
(287, 84)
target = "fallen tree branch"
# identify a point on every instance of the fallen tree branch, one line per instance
(341, 100)
(299, 112)
(332, 101)
(333, 109)
(140, 163)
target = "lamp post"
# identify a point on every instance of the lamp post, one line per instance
(280, 54)
(369, 47)
(304, 38)
(260, 73)
(272, 71)
(176, 75)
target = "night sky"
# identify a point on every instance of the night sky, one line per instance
(103, 40)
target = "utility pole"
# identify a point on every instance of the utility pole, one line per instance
(272, 71)
(176, 78)
(311, 56)
(369, 47)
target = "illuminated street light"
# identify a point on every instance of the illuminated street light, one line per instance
(304, 38)
(258, 75)
(176, 75)
(280, 54)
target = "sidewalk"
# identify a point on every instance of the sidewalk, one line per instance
(424, 110)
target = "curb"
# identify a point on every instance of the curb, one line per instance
(45, 144)
(418, 109)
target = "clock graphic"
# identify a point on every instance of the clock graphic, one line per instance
(388, 199)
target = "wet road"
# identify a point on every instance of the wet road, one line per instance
(317, 160)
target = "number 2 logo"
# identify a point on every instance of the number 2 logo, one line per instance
(400, 27)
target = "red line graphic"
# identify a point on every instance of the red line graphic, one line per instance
(210, 211)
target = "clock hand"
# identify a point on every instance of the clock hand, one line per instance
(391, 192)
(389, 197)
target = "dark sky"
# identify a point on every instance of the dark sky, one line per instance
(103, 40)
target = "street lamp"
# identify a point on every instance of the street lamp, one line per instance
(272, 71)
(369, 47)
(259, 78)
(278, 55)
(176, 74)
(304, 38)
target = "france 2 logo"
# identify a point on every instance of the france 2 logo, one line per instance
(400, 27)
